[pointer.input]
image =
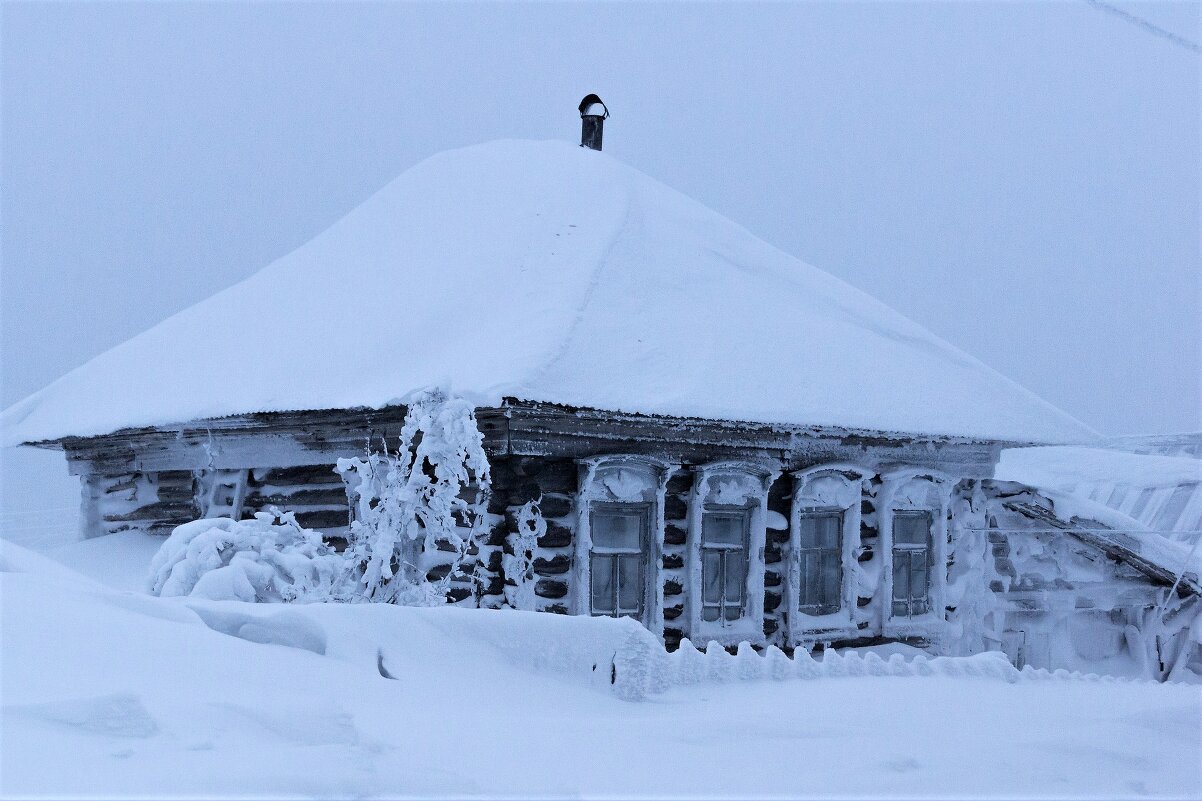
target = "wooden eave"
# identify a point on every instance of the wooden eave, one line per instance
(515, 428)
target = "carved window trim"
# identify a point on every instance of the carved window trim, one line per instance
(843, 494)
(897, 496)
(749, 625)
(592, 492)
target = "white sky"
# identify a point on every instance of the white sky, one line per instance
(1021, 178)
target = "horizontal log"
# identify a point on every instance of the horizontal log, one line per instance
(550, 588)
(333, 496)
(557, 536)
(182, 512)
(322, 519)
(555, 566)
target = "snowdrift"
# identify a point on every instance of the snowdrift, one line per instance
(118, 693)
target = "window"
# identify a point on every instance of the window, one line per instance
(911, 563)
(619, 538)
(724, 534)
(820, 551)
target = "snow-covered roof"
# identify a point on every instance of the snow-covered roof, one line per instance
(1069, 467)
(1163, 493)
(547, 272)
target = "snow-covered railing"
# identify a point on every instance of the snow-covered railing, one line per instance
(641, 668)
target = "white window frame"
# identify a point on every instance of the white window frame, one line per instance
(723, 551)
(643, 510)
(757, 478)
(915, 490)
(806, 551)
(820, 489)
(596, 482)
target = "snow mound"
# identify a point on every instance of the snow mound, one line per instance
(263, 558)
(111, 694)
(546, 272)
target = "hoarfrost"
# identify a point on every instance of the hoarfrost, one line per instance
(410, 501)
(519, 565)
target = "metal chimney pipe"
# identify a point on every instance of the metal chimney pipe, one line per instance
(592, 121)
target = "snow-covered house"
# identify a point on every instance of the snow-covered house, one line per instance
(724, 442)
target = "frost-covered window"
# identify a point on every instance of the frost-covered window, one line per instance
(727, 524)
(820, 561)
(913, 510)
(825, 578)
(619, 539)
(724, 534)
(616, 559)
(911, 563)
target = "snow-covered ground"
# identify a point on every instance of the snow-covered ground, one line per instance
(110, 692)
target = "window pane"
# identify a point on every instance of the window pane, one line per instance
(613, 528)
(918, 575)
(722, 528)
(831, 572)
(817, 529)
(736, 576)
(809, 578)
(601, 581)
(711, 577)
(901, 575)
(829, 529)
(630, 588)
(807, 531)
(912, 529)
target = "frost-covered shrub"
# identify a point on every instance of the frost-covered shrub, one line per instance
(431, 492)
(266, 558)
(519, 565)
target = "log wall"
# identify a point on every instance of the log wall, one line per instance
(315, 493)
(137, 501)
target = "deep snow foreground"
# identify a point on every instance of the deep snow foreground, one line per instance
(109, 693)
(546, 272)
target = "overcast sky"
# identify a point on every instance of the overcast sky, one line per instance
(1022, 179)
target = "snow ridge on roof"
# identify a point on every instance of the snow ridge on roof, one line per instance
(547, 272)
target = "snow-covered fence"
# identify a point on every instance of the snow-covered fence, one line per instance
(638, 670)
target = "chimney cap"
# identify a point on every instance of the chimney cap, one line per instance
(592, 106)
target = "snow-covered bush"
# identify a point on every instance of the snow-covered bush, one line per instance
(519, 565)
(428, 498)
(266, 558)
